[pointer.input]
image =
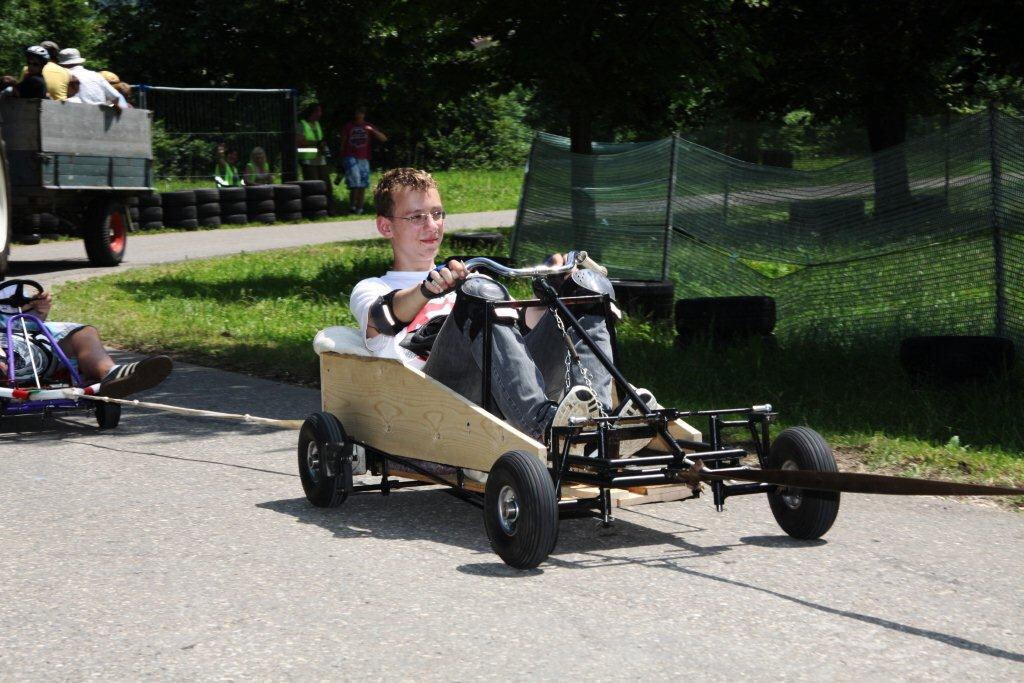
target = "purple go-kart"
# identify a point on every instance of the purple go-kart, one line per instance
(40, 379)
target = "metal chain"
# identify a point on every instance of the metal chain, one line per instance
(588, 379)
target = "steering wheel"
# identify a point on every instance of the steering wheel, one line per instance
(16, 297)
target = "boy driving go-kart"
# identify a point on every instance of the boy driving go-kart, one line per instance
(431, 317)
(27, 337)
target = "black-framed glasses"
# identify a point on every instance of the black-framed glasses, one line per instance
(420, 219)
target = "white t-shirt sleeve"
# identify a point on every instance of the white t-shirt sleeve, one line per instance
(362, 297)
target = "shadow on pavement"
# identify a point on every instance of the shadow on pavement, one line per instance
(24, 268)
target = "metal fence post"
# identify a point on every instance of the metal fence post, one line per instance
(289, 153)
(668, 207)
(997, 231)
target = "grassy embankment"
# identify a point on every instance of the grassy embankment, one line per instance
(258, 313)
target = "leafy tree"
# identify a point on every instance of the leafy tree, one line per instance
(69, 23)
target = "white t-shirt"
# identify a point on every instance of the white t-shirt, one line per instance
(385, 345)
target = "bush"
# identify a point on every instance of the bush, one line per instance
(483, 131)
(181, 156)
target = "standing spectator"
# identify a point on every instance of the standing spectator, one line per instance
(56, 76)
(311, 137)
(258, 171)
(92, 88)
(355, 156)
(225, 171)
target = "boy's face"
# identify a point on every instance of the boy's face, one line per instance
(415, 243)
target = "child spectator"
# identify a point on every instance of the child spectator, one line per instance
(257, 171)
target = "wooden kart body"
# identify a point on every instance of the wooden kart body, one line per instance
(399, 410)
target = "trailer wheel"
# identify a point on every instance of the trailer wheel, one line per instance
(106, 232)
(802, 513)
(520, 510)
(108, 415)
(326, 479)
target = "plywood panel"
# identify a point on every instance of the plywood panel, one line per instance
(399, 410)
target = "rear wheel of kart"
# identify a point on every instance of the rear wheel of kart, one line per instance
(106, 232)
(520, 510)
(802, 513)
(108, 415)
(325, 479)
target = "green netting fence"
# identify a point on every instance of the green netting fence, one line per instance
(924, 238)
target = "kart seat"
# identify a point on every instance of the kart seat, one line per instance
(347, 340)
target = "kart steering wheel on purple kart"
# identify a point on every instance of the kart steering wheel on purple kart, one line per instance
(18, 299)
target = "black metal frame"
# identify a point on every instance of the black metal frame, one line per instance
(604, 469)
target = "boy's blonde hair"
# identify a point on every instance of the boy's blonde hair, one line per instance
(396, 180)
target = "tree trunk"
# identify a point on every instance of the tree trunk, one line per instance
(887, 131)
(584, 232)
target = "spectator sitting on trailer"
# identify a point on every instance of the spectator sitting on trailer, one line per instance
(93, 88)
(83, 346)
(32, 84)
(118, 85)
(56, 76)
(72, 91)
(225, 172)
(258, 171)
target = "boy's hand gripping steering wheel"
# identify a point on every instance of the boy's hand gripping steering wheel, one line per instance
(17, 298)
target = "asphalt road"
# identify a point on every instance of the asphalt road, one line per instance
(174, 548)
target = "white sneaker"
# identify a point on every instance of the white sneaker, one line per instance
(628, 447)
(579, 401)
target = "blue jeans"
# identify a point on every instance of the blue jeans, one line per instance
(527, 371)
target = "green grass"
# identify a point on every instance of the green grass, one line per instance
(462, 191)
(259, 312)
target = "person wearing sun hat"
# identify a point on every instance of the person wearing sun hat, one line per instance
(92, 88)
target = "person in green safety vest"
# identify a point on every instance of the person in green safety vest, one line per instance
(225, 172)
(312, 153)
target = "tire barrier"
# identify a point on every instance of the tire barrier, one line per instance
(957, 359)
(725, 318)
(179, 209)
(476, 239)
(650, 298)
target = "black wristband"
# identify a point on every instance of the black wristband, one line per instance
(427, 293)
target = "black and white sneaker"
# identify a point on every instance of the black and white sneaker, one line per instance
(579, 401)
(131, 378)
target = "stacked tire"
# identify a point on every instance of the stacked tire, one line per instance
(179, 209)
(288, 202)
(259, 203)
(151, 211)
(208, 207)
(647, 298)
(314, 198)
(725, 320)
(233, 207)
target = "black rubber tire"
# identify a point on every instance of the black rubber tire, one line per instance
(802, 513)
(133, 211)
(105, 231)
(264, 218)
(647, 298)
(152, 225)
(315, 215)
(208, 209)
(957, 359)
(233, 208)
(150, 199)
(288, 206)
(527, 540)
(287, 192)
(235, 219)
(286, 217)
(311, 187)
(725, 317)
(314, 202)
(172, 214)
(321, 490)
(108, 415)
(210, 221)
(207, 195)
(151, 213)
(259, 193)
(232, 194)
(262, 206)
(476, 239)
(179, 198)
(47, 222)
(184, 224)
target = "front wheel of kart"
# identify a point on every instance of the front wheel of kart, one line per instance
(802, 513)
(108, 415)
(326, 476)
(520, 510)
